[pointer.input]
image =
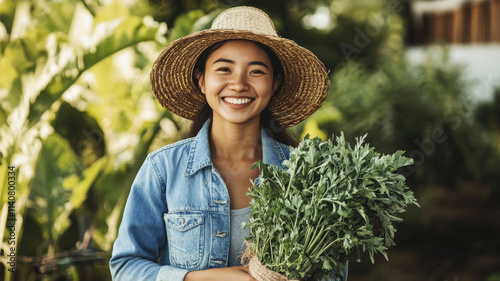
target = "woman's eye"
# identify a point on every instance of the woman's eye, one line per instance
(257, 71)
(224, 69)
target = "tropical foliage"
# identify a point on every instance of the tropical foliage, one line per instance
(424, 109)
(77, 116)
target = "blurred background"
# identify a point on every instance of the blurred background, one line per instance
(78, 118)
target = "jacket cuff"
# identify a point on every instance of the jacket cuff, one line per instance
(169, 273)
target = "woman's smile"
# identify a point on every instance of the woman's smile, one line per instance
(237, 103)
(237, 100)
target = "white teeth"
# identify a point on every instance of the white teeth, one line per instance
(237, 100)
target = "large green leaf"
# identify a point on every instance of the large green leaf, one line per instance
(190, 22)
(184, 23)
(13, 62)
(7, 11)
(80, 185)
(48, 198)
(128, 32)
(46, 21)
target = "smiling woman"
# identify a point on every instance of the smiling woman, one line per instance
(242, 85)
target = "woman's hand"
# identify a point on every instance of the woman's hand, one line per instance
(232, 273)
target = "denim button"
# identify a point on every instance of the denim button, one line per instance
(220, 234)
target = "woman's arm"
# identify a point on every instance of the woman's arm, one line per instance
(239, 273)
(142, 231)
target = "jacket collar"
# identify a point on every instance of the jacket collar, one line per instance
(199, 154)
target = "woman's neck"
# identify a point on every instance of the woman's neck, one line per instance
(235, 141)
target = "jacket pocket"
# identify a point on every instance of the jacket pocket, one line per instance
(185, 238)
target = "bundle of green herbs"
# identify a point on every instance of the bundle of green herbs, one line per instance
(330, 203)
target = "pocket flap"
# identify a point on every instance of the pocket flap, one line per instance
(183, 221)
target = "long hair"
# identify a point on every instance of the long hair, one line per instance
(267, 120)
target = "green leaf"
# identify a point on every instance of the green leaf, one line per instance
(185, 24)
(128, 32)
(48, 198)
(79, 187)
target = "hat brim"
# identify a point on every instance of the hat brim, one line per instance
(304, 87)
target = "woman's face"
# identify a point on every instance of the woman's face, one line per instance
(238, 82)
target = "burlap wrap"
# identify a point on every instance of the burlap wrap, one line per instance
(258, 270)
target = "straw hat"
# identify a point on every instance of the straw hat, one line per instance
(305, 81)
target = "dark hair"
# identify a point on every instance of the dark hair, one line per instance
(267, 120)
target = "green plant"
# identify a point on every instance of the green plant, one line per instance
(60, 70)
(424, 109)
(324, 207)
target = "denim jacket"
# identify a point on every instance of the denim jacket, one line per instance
(177, 214)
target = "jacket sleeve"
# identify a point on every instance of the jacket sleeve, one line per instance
(142, 231)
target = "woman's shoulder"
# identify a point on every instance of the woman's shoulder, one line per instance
(173, 148)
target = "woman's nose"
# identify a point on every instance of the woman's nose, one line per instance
(238, 82)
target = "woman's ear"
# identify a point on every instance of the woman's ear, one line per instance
(201, 80)
(276, 83)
